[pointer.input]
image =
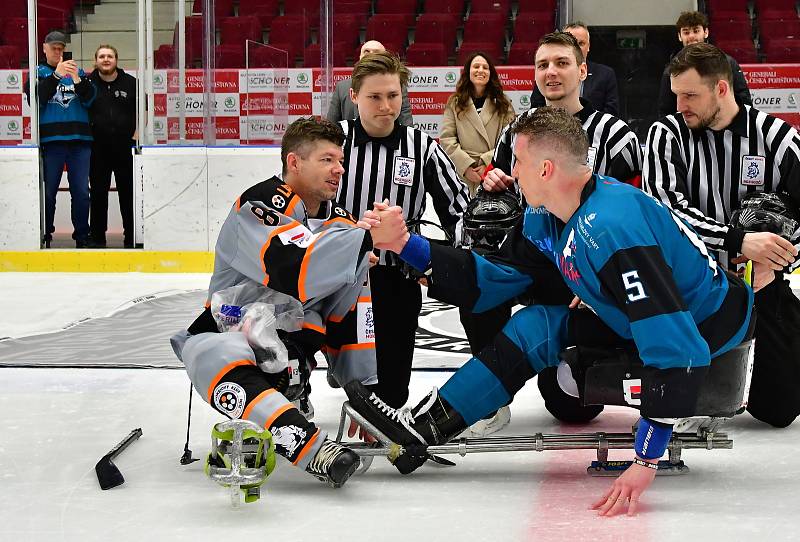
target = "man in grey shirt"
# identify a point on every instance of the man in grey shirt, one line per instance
(343, 108)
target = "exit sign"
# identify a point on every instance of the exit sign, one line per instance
(631, 39)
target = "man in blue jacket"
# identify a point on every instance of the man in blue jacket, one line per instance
(65, 95)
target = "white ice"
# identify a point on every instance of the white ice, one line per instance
(58, 422)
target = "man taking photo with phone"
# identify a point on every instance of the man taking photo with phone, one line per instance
(65, 94)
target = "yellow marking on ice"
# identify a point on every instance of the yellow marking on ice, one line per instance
(107, 261)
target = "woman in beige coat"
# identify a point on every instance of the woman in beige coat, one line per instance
(474, 117)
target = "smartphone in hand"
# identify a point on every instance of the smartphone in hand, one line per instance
(66, 55)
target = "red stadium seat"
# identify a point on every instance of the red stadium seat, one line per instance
(346, 30)
(500, 7)
(782, 50)
(426, 54)
(9, 57)
(396, 6)
(485, 27)
(522, 53)
(780, 29)
(390, 27)
(490, 48)
(530, 27)
(238, 30)
(15, 8)
(229, 56)
(776, 5)
(222, 8)
(359, 8)
(437, 28)
(537, 6)
(271, 57)
(743, 51)
(291, 29)
(194, 38)
(312, 55)
(732, 29)
(265, 10)
(452, 7)
(165, 57)
(308, 8)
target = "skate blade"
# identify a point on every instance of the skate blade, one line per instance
(615, 468)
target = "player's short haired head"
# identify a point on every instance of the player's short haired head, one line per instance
(106, 46)
(378, 63)
(690, 19)
(306, 130)
(709, 62)
(554, 128)
(566, 39)
(576, 24)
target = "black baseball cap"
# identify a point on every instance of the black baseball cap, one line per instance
(56, 37)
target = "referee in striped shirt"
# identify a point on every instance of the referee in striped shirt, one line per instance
(702, 161)
(385, 160)
(614, 151)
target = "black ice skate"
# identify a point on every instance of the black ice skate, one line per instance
(333, 463)
(432, 421)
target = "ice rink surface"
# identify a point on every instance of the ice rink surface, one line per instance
(58, 422)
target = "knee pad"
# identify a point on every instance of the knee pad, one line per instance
(562, 406)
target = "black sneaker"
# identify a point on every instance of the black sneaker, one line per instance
(333, 463)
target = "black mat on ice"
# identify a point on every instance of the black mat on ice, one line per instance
(138, 337)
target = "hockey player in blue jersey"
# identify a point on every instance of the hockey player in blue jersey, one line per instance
(647, 279)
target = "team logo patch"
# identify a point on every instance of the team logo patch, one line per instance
(403, 171)
(366, 323)
(339, 211)
(288, 437)
(278, 201)
(230, 398)
(753, 170)
(566, 259)
(299, 236)
(633, 391)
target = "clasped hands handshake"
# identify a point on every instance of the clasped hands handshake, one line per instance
(386, 226)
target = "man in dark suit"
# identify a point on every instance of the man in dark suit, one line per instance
(693, 28)
(343, 108)
(600, 85)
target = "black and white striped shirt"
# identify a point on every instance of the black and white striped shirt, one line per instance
(402, 167)
(703, 174)
(614, 149)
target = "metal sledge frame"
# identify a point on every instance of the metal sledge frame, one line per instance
(539, 442)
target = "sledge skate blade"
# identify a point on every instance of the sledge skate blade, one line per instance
(615, 468)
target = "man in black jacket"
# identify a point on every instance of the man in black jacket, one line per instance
(693, 28)
(113, 121)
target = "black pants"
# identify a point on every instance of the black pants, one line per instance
(481, 327)
(775, 387)
(396, 302)
(107, 157)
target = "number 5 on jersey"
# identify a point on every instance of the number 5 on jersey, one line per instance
(633, 286)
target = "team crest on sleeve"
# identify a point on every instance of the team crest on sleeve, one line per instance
(230, 398)
(339, 211)
(753, 170)
(403, 170)
(278, 201)
(288, 437)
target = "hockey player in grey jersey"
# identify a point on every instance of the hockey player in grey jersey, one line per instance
(288, 236)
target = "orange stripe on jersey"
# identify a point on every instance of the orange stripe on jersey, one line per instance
(314, 327)
(225, 370)
(254, 402)
(238, 204)
(207, 304)
(365, 299)
(301, 280)
(358, 346)
(292, 205)
(278, 412)
(337, 319)
(306, 448)
(264, 248)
